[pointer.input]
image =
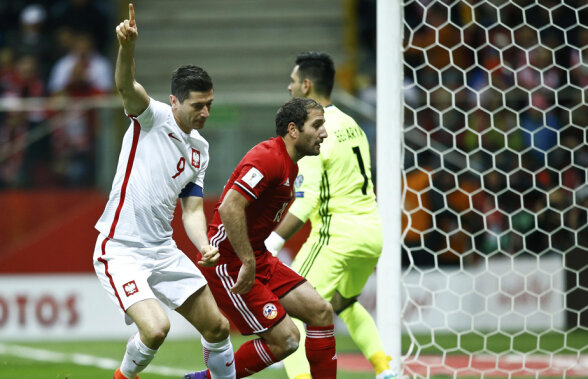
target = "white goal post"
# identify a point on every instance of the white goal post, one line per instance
(482, 156)
(389, 125)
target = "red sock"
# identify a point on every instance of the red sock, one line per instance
(320, 351)
(253, 356)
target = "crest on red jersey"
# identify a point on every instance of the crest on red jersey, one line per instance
(270, 311)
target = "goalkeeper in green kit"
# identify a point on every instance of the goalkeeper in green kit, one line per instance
(334, 190)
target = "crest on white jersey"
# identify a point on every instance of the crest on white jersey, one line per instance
(195, 158)
(252, 177)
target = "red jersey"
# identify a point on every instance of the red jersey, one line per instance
(265, 176)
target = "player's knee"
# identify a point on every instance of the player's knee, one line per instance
(288, 345)
(323, 314)
(154, 334)
(291, 343)
(218, 331)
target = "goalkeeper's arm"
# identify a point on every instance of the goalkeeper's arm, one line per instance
(286, 229)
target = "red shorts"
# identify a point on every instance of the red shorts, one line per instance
(259, 309)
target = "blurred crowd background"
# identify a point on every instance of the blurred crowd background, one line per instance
(64, 50)
(497, 89)
(495, 143)
(56, 49)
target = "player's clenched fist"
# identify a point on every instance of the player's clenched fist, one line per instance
(210, 256)
(127, 31)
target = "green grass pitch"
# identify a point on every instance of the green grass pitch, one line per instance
(178, 355)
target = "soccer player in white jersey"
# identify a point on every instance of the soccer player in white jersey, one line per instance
(163, 157)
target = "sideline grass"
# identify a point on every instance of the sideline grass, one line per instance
(177, 354)
(495, 342)
(186, 354)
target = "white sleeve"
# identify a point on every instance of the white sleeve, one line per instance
(156, 113)
(200, 177)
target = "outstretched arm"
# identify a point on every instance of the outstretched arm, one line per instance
(134, 96)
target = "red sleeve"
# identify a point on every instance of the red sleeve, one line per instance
(255, 175)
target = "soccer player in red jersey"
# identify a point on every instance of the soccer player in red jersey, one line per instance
(251, 286)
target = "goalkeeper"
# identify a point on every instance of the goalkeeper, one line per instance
(335, 191)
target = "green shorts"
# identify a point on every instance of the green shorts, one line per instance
(338, 263)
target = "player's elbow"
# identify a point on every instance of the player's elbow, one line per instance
(124, 87)
(223, 211)
(226, 211)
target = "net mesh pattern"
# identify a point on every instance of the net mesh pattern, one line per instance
(495, 231)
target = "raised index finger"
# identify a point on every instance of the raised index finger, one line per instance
(131, 14)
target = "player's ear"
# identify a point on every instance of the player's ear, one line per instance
(306, 85)
(293, 130)
(173, 101)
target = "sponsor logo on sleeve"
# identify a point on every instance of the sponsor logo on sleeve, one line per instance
(252, 177)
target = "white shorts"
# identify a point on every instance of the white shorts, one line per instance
(131, 273)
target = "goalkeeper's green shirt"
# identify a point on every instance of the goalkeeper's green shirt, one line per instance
(335, 190)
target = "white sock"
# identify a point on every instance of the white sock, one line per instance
(387, 374)
(136, 358)
(219, 358)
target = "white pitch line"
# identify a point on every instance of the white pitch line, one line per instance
(80, 359)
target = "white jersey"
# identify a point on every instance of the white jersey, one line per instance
(157, 160)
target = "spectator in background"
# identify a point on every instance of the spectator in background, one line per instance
(81, 73)
(12, 139)
(26, 82)
(6, 69)
(20, 80)
(86, 16)
(36, 165)
(31, 38)
(8, 166)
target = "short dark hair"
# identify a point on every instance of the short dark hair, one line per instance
(189, 78)
(319, 68)
(294, 110)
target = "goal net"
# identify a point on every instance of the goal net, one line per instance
(495, 193)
